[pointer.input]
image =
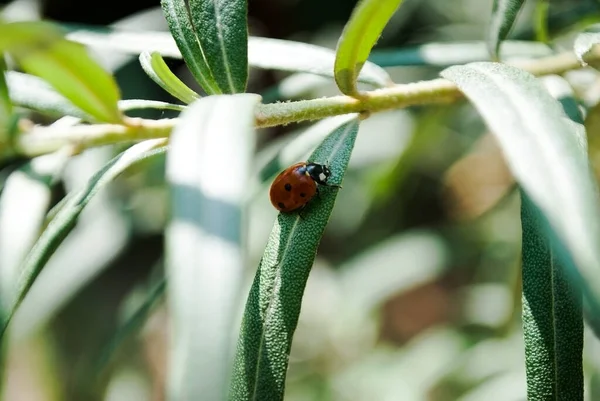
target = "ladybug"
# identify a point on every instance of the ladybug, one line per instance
(295, 186)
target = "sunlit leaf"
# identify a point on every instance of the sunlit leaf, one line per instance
(360, 35)
(204, 240)
(222, 30)
(156, 68)
(41, 50)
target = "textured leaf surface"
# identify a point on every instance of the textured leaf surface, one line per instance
(182, 32)
(205, 238)
(552, 313)
(360, 35)
(543, 149)
(275, 298)
(222, 29)
(504, 14)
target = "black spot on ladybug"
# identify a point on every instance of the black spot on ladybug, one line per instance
(302, 194)
(288, 187)
(281, 205)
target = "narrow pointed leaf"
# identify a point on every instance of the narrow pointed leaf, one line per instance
(40, 49)
(273, 305)
(543, 149)
(552, 316)
(156, 68)
(24, 201)
(504, 14)
(360, 35)
(66, 218)
(208, 169)
(181, 29)
(552, 309)
(222, 29)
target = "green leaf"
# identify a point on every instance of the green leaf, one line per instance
(448, 54)
(66, 218)
(552, 310)
(552, 316)
(265, 53)
(208, 168)
(6, 108)
(360, 35)
(41, 50)
(182, 31)
(34, 93)
(222, 29)
(275, 298)
(504, 14)
(545, 153)
(541, 20)
(156, 68)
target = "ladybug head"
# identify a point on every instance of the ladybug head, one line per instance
(318, 172)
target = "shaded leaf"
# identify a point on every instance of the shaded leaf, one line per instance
(552, 316)
(222, 29)
(360, 35)
(504, 14)
(205, 238)
(273, 305)
(156, 68)
(182, 32)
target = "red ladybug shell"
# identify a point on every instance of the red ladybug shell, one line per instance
(292, 188)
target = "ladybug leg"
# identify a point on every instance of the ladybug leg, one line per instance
(300, 214)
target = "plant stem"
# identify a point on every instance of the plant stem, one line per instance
(41, 140)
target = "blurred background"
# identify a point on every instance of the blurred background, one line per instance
(415, 292)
